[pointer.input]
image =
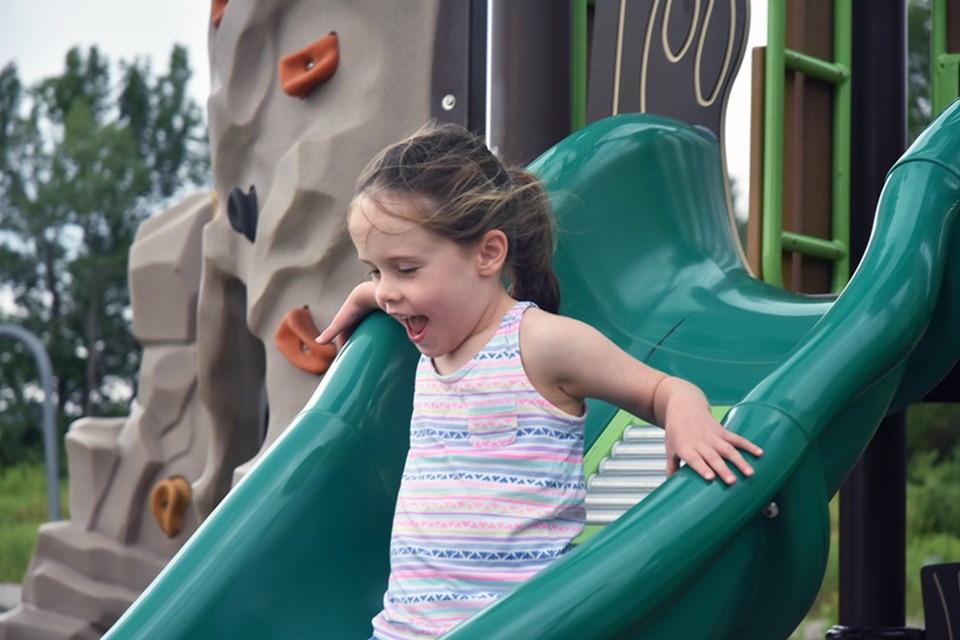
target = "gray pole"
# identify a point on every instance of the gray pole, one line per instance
(49, 422)
(528, 83)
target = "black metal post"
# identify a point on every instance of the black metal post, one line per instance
(873, 532)
(873, 500)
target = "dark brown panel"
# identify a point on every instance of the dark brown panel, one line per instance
(672, 58)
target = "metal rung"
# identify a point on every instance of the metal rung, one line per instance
(613, 500)
(814, 247)
(643, 433)
(815, 67)
(632, 465)
(638, 450)
(625, 483)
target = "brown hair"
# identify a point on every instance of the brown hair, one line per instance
(468, 192)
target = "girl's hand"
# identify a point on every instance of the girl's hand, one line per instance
(356, 307)
(694, 436)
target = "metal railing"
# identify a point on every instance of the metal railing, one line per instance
(49, 425)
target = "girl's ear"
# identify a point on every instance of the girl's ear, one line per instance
(492, 252)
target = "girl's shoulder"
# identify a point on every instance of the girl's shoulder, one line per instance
(552, 325)
(550, 337)
(548, 359)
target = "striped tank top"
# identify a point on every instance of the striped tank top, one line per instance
(492, 491)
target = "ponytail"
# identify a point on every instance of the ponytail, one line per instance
(530, 260)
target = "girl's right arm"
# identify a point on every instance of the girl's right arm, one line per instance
(358, 305)
(565, 358)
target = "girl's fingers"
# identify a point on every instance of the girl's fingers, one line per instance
(742, 443)
(739, 462)
(700, 465)
(712, 461)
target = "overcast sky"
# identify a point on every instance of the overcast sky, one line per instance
(38, 33)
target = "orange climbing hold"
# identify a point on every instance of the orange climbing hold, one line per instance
(295, 340)
(168, 502)
(305, 70)
(216, 12)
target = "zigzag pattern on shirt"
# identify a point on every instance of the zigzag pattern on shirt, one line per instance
(539, 482)
(528, 432)
(478, 556)
(481, 597)
(505, 354)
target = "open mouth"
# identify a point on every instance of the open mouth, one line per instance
(416, 327)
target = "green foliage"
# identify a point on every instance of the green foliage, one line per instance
(164, 123)
(923, 551)
(933, 428)
(918, 66)
(23, 508)
(827, 604)
(933, 537)
(83, 161)
(933, 495)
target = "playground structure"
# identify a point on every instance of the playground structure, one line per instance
(747, 558)
(283, 166)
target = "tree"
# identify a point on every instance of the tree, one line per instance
(83, 161)
(919, 27)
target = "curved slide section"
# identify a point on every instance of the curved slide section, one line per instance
(299, 547)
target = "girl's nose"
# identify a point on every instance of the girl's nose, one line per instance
(387, 291)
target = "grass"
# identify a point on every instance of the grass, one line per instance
(922, 550)
(23, 508)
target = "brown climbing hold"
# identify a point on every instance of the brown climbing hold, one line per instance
(216, 12)
(305, 70)
(295, 340)
(168, 501)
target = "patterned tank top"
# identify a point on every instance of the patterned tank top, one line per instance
(492, 491)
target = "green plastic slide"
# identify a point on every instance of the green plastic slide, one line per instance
(646, 253)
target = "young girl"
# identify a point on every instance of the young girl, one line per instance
(493, 488)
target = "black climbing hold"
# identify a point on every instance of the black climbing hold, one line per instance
(242, 212)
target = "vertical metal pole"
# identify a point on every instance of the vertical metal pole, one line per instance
(873, 499)
(773, 90)
(529, 80)
(49, 419)
(873, 532)
(842, 118)
(578, 66)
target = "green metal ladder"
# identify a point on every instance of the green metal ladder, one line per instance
(778, 60)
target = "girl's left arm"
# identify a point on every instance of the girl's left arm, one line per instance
(567, 356)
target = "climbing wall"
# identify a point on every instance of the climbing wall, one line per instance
(228, 288)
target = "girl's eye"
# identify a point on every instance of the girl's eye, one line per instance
(405, 271)
(374, 273)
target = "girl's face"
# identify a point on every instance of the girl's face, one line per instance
(433, 286)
